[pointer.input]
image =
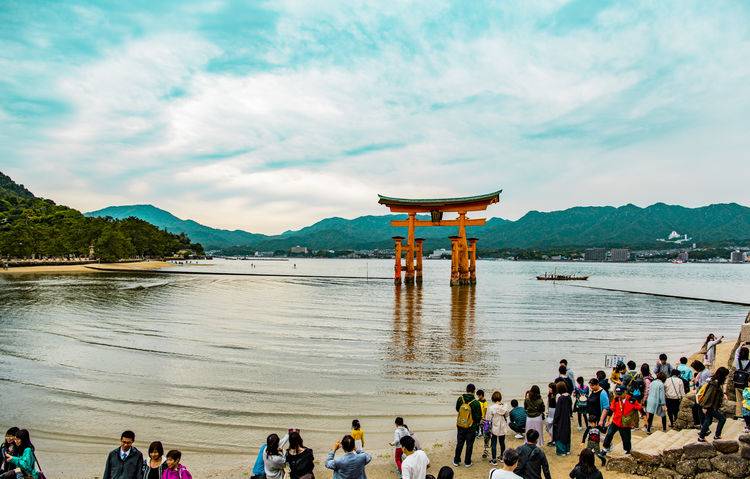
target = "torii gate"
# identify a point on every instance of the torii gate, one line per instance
(463, 249)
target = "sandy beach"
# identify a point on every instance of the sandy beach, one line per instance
(86, 268)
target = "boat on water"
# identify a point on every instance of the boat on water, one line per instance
(561, 277)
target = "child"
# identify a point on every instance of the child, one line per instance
(401, 431)
(358, 434)
(592, 438)
(175, 470)
(746, 408)
(580, 396)
(484, 429)
(8, 447)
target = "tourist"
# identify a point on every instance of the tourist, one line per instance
(593, 437)
(586, 468)
(510, 462)
(534, 406)
(740, 378)
(686, 374)
(702, 376)
(710, 347)
(674, 391)
(445, 473)
(647, 380)
(358, 434)
(617, 372)
(663, 365)
(711, 401)
(551, 403)
(23, 463)
(484, 427)
(561, 422)
(601, 378)
(496, 417)
(154, 465)
(352, 464)
(416, 461)
(517, 418)
(570, 373)
(274, 457)
(126, 461)
(467, 422)
(623, 411)
(259, 468)
(581, 396)
(746, 408)
(563, 377)
(175, 469)
(8, 449)
(532, 462)
(300, 458)
(401, 431)
(598, 399)
(656, 403)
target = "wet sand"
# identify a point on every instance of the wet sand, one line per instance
(87, 268)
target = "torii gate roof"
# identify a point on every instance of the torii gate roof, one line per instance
(441, 204)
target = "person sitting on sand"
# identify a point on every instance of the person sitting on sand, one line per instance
(175, 469)
(300, 458)
(154, 465)
(532, 462)
(416, 462)
(24, 463)
(510, 461)
(8, 449)
(517, 418)
(586, 468)
(126, 461)
(352, 464)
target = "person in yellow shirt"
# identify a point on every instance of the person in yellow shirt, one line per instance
(358, 434)
(483, 430)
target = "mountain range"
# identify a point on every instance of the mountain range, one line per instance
(606, 226)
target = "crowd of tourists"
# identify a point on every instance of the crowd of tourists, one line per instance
(604, 406)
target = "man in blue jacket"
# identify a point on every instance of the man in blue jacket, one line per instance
(125, 462)
(352, 464)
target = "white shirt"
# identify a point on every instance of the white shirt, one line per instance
(674, 388)
(125, 454)
(398, 433)
(502, 474)
(415, 465)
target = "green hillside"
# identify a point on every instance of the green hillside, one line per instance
(36, 226)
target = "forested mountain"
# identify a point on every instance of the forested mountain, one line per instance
(577, 227)
(36, 226)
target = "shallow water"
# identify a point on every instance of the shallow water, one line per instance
(217, 362)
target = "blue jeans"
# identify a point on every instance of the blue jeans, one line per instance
(710, 415)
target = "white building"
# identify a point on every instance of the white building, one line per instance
(439, 253)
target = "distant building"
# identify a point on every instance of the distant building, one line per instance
(595, 254)
(737, 257)
(298, 250)
(439, 253)
(619, 255)
(683, 256)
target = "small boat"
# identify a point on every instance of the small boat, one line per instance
(561, 277)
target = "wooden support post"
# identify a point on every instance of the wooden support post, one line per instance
(397, 269)
(454, 260)
(463, 254)
(409, 276)
(418, 272)
(473, 260)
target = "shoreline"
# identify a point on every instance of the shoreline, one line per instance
(86, 268)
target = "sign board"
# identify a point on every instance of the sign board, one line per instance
(611, 360)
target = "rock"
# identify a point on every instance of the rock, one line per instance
(687, 468)
(727, 407)
(745, 438)
(696, 450)
(703, 465)
(625, 464)
(732, 465)
(745, 452)
(745, 333)
(648, 457)
(669, 457)
(664, 473)
(711, 475)
(726, 446)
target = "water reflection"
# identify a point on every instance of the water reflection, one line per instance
(463, 326)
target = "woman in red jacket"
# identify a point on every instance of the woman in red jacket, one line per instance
(625, 412)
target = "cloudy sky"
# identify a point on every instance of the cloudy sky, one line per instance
(271, 115)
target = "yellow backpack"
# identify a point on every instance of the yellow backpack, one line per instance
(464, 420)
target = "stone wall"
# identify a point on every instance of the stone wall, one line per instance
(723, 459)
(685, 417)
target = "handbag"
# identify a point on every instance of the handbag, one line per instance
(38, 466)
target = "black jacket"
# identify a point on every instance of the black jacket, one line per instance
(300, 464)
(130, 468)
(578, 473)
(532, 463)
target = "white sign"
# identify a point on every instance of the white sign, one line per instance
(611, 360)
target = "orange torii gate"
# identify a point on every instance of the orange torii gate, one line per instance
(463, 249)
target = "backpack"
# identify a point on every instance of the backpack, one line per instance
(700, 396)
(741, 376)
(465, 420)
